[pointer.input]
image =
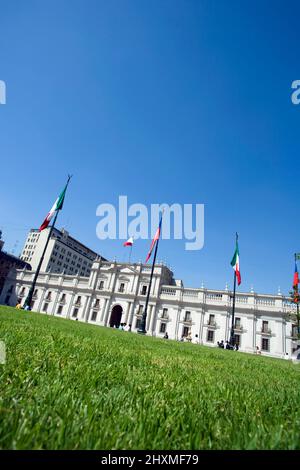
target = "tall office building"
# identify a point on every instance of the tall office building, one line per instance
(63, 254)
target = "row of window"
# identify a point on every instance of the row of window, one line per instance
(121, 288)
(210, 336)
(62, 250)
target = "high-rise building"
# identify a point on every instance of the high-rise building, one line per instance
(63, 254)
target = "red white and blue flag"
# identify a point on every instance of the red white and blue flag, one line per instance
(296, 278)
(129, 242)
(155, 239)
(295, 284)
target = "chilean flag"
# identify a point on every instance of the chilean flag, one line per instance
(295, 284)
(296, 278)
(155, 239)
(129, 242)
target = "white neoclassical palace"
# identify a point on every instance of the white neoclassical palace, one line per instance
(116, 292)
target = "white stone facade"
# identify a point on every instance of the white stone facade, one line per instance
(116, 292)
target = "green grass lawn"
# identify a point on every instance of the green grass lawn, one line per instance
(68, 385)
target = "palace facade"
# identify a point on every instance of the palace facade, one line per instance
(116, 292)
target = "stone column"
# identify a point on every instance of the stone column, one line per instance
(86, 308)
(254, 333)
(153, 319)
(149, 317)
(127, 313)
(201, 340)
(103, 310)
(131, 312)
(70, 306)
(106, 314)
(177, 322)
(55, 302)
(42, 299)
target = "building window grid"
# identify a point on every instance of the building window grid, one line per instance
(94, 316)
(187, 316)
(210, 336)
(265, 344)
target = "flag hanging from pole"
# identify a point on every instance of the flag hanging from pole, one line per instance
(296, 277)
(155, 239)
(295, 284)
(235, 263)
(56, 207)
(129, 242)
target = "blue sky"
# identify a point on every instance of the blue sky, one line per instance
(162, 101)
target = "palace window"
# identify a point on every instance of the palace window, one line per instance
(265, 344)
(101, 285)
(237, 323)
(165, 313)
(121, 287)
(138, 323)
(144, 290)
(140, 310)
(211, 321)
(163, 327)
(78, 301)
(45, 307)
(210, 336)
(59, 310)
(265, 326)
(94, 316)
(75, 313)
(294, 331)
(187, 316)
(185, 331)
(49, 296)
(237, 340)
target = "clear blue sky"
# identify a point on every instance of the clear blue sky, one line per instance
(163, 101)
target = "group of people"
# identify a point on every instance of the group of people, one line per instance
(124, 327)
(19, 307)
(227, 345)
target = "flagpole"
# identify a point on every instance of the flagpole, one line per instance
(233, 302)
(130, 253)
(142, 328)
(297, 302)
(28, 299)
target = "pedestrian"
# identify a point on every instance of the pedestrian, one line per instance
(258, 350)
(189, 337)
(196, 340)
(166, 336)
